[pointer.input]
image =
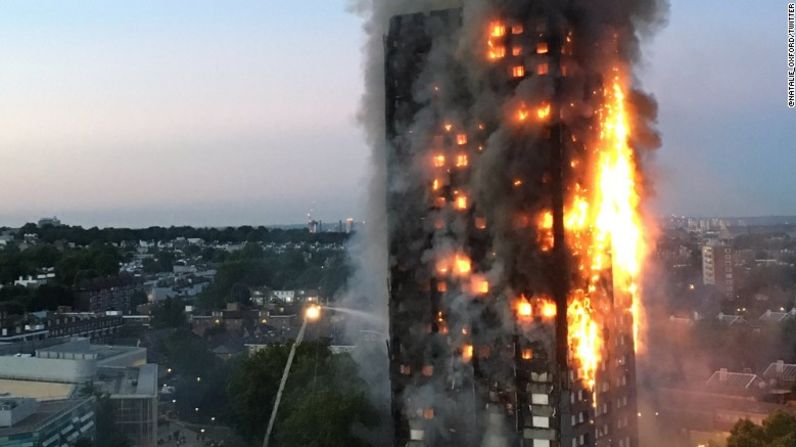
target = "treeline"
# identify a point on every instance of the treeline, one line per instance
(71, 267)
(323, 270)
(85, 236)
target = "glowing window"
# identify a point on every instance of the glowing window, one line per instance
(541, 48)
(518, 71)
(524, 309)
(497, 29)
(542, 69)
(497, 52)
(480, 223)
(467, 353)
(479, 285)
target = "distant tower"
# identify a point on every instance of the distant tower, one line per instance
(718, 267)
(314, 226)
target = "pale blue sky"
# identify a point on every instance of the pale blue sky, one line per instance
(210, 112)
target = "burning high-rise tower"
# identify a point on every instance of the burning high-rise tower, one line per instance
(515, 234)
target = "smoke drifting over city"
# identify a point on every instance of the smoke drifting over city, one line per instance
(494, 203)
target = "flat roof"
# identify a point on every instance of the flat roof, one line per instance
(43, 415)
(82, 346)
(139, 381)
(37, 390)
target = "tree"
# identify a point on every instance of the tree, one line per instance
(162, 262)
(188, 353)
(324, 403)
(326, 419)
(778, 430)
(169, 313)
(201, 377)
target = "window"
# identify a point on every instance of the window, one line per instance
(541, 422)
(497, 52)
(542, 48)
(542, 69)
(540, 399)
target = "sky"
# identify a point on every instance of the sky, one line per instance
(161, 112)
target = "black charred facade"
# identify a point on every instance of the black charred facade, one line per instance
(468, 366)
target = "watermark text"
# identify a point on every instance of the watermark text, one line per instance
(791, 57)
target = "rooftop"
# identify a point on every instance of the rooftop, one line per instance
(780, 371)
(36, 390)
(119, 381)
(46, 412)
(81, 347)
(734, 383)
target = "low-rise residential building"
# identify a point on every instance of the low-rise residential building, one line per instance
(92, 325)
(104, 294)
(780, 375)
(39, 279)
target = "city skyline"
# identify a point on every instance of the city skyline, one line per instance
(156, 114)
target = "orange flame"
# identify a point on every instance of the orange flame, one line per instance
(545, 237)
(461, 202)
(479, 285)
(497, 29)
(619, 224)
(462, 265)
(543, 112)
(605, 229)
(585, 340)
(467, 353)
(522, 114)
(549, 309)
(524, 309)
(541, 48)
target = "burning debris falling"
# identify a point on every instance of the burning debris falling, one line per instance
(516, 239)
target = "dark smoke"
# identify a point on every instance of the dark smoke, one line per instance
(455, 86)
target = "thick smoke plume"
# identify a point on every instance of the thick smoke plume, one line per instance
(508, 187)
